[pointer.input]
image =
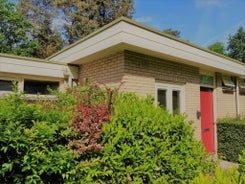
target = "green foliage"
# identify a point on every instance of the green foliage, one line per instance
(83, 17)
(241, 168)
(220, 177)
(13, 31)
(140, 144)
(41, 14)
(217, 47)
(145, 144)
(236, 45)
(230, 132)
(33, 141)
(174, 33)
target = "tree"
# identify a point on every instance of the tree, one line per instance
(175, 33)
(82, 17)
(41, 14)
(217, 47)
(13, 31)
(236, 45)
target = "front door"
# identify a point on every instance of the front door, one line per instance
(207, 119)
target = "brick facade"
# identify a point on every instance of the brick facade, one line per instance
(226, 101)
(242, 104)
(108, 70)
(139, 73)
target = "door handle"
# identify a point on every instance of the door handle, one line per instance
(206, 129)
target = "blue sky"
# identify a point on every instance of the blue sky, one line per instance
(202, 22)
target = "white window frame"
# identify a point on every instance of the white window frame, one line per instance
(169, 95)
(8, 79)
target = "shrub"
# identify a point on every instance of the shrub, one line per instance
(33, 141)
(230, 133)
(233, 175)
(37, 139)
(241, 167)
(75, 138)
(145, 144)
(219, 177)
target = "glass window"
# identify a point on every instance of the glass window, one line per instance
(206, 80)
(176, 102)
(41, 87)
(170, 97)
(6, 85)
(161, 98)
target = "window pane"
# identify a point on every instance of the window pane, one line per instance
(161, 98)
(41, 87)
(206, 80)
(176, 102)
(5, 85)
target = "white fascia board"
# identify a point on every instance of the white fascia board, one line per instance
(157, 43)
(19, 66)
(105, 39)
(128, 34)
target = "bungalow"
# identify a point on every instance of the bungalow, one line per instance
(183, 78)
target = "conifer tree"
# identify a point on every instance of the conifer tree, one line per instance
(42, 14)
(236, 45)
(82, 17)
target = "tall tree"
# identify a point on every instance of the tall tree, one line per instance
(13, 31)
(42, 13)
(236, 45)
(175, 33)
(217, 47)
(82, 17)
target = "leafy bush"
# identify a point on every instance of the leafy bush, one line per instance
(75, 138)
(233, 175)
(230, 133)
(37, 139)
(220, 177)
(32, 141)
(241, 167)
(145, 144)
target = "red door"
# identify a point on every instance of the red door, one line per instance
(207, 119)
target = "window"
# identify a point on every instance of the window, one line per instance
(228, 84)
(41, 87)
(161, 98)
(241, 84)
(6, 85)
(171, 97)
(206, 80)
(176, 102)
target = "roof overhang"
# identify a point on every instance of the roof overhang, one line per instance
(35, 67)
(125, 34)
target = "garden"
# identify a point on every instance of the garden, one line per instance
(94, 134)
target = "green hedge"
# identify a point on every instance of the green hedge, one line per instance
(75, 139)
(230, 133)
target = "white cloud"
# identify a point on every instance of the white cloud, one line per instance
(143, 19)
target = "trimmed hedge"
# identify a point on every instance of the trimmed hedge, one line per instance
(230, 133)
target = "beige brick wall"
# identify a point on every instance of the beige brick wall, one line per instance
(143, 65)
(142, 71)
(141, 85)
(192, 101)
(242, 104)
(226, 102)
(139, 73)
(108, 70)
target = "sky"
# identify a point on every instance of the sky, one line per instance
(202, 22)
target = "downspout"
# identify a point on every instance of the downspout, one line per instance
(70, 81)
(237, 98)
